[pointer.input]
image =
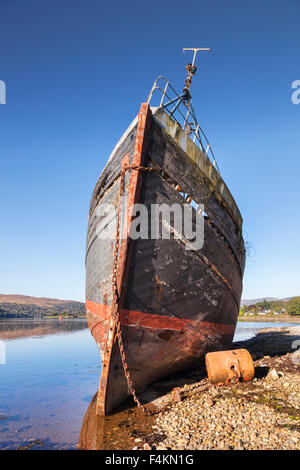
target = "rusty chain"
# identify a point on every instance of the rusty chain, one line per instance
(116, 296)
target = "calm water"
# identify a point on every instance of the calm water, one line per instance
(47, 383)
(51, 373)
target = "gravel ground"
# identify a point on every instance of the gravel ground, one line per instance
(261, 414)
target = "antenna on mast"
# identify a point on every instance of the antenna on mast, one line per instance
(191, 69)
(182, 105)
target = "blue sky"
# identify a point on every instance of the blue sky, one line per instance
(76, 73)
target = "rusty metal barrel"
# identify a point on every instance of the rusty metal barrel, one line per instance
(224, 367)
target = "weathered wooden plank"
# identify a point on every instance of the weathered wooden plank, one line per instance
(104, 399)
(175, 162)
(113, 168)
(187, 286)
(182, 139)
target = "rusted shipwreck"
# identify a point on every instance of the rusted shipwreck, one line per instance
(153, 306)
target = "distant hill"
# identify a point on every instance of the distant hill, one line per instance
(268, 299)
(15, 306)
(255, 301)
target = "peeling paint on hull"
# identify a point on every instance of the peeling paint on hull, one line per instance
(176, 304)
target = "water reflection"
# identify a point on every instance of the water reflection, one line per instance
(116, 431)
(46, 383)
(18, 328)
(126, 423)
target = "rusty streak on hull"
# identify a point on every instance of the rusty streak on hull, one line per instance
(175, 304)
(133, 193)
(102, 313)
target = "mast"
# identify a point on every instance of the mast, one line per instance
(191, 69)
(171, 101)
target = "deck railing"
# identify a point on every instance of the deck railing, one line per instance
(179, 108)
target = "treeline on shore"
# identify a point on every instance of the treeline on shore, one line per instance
(273, 307)
(15, 310)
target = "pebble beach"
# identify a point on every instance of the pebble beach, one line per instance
(257, 415)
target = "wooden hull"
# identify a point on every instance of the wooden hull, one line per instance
(176, 304)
